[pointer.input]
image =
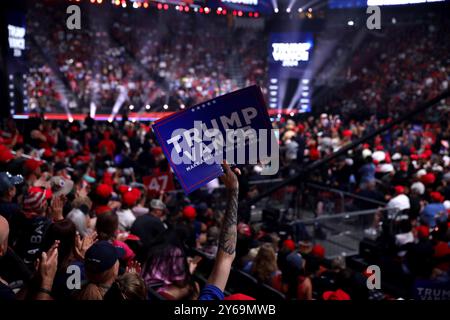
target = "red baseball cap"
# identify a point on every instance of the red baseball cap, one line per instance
(423, 232)
(336, 295)
(35, 198)
(290, 244)
(436, 196)
(104, 190)
(347, 133)
(189, 212)
(314, 154)
(238, 296)
(441, 249)
(318, 251)
(48, 153)
(399, 189)
(5, 154)
(428, 178)
(123, 189)
(102, 209)
(32, 164)
(403, 166)
(130, 198)
(156, 151)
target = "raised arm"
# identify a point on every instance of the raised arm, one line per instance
(228, 234)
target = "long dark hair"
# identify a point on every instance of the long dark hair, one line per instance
(167, 256)
(107, 224)
(64, 231)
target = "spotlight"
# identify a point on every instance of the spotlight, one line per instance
(159, 6)
(145, 5)
(288, 10)
(394, 21)
(182, 106)
(240, 13)
(135, 5)
(310, 10)
(276, 10)
(300, 10)
(350, 23)
(292, 114)
(147, 107)
(166, 107)
(124, 4)
(207, 10)
(256, 14)
(166, 6)
(99, 1)
(186, 9)
(131, 107)
(177, 7)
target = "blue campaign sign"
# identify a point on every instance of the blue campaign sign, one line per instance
(189, 138)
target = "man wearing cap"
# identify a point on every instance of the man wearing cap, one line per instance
(32, 170)
(8, 184)
(125, 214)
(5, 156)
(103, 194)
(33, 224)
(399, 202)
(61, 186)
(434, 211)
(101, 262)
(148, 226)
(415, 198)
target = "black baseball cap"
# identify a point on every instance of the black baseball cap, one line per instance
(8, 181)
(101, 256)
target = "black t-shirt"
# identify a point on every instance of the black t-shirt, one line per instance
(9, 209)
(29, 238)
(6, 294)
(147, 227)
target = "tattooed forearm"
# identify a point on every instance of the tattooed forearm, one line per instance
(228, 234)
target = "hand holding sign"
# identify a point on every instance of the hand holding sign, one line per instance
(229, 178)
(235, 127)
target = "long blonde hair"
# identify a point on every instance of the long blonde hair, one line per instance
(265, 263)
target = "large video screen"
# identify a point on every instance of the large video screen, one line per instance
(261, 6)
(339, 4)
(290, 52)
(289, 56)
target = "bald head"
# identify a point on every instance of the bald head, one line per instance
(4, 233)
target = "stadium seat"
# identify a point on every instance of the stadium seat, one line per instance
(242, 282)
(267, 293)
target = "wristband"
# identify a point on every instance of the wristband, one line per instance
(43, 290)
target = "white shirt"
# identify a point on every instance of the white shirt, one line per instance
(400, 203)
(126, 219)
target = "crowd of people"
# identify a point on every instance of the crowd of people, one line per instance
(70, 187)
(122, 56)
(74, 201)
(389, 80)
